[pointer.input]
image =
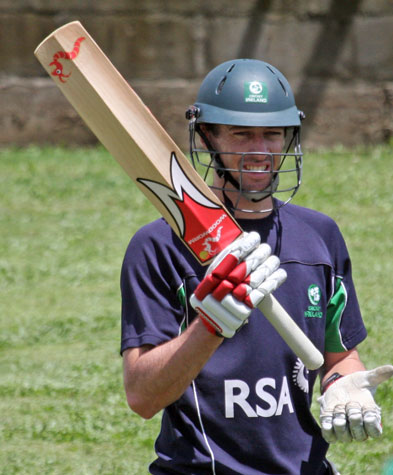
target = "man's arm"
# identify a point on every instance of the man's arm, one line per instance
(155, 377)
(342, 363)
(237, 280)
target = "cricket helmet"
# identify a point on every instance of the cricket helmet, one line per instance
(252, 93)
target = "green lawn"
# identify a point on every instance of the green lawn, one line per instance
(66, 217)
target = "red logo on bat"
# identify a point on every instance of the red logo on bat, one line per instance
(58, 71)
(205, 226)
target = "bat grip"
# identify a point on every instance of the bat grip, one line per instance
(299, 343)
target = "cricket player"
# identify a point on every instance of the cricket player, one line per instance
(235, 398)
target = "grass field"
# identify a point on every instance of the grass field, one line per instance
(66, 217)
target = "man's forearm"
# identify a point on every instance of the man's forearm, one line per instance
(341, 363)
(155, 377)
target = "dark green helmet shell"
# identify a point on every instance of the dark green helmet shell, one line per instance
(247, 92)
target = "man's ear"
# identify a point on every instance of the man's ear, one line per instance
(206, 135)
(203, 135)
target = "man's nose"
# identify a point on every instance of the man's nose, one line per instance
(260, 143)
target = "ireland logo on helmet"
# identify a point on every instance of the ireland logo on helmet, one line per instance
(255, 91)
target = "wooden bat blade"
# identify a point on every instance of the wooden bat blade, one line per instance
(126, 127)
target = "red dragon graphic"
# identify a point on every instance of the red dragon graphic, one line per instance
(58, 71)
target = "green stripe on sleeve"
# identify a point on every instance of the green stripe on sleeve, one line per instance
(335, 309)
(181, 295)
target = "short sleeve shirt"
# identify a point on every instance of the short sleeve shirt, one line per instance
(248, 411)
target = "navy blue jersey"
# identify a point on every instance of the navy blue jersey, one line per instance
(248, 411)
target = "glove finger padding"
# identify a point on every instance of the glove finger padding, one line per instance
(233, 254)
(269, 285)
(340, 424)
(224, 321)
(356, 422)
(348, 410)
(372, 422)
(327, 428)
(226, 262)
(239, 276)
(243, 273)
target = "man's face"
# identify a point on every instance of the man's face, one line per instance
(238, 142)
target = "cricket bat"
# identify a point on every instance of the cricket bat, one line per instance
(130, 132)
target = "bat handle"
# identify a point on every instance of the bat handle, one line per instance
(299, 343)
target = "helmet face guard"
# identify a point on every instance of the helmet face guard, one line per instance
(247, 93)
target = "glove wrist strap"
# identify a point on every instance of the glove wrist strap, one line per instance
(209, 327)
(330, 380)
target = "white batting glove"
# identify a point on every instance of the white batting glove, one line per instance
(348, 410)
(235, 283)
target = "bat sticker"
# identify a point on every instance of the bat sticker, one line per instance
(204, 225)
(58, 71)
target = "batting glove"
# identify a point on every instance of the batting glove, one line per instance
(235, 283)
(348, 410)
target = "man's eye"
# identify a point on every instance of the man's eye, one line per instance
(273, 134)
